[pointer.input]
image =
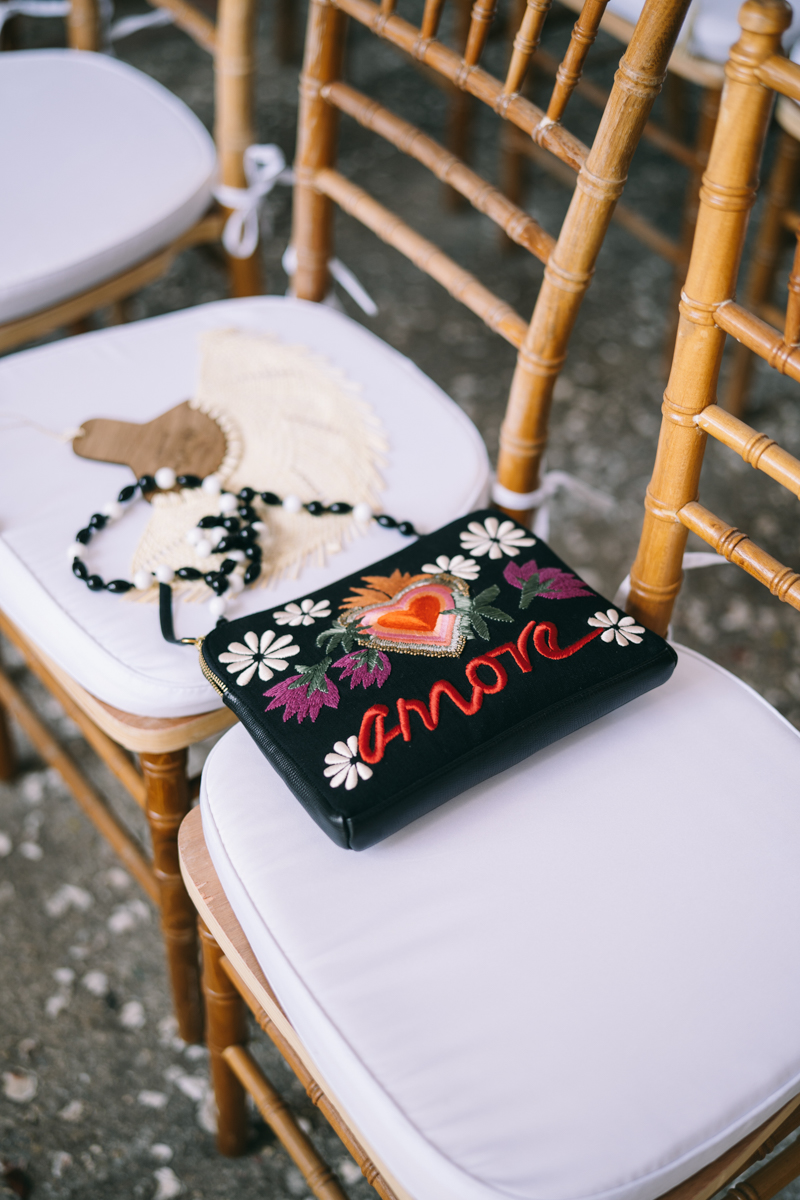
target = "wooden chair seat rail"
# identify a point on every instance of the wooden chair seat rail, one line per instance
(498, 315)
(513, 220)
(469, 78)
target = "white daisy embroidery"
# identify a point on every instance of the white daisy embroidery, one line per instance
(304, 613)
(266, 657)
(624, 629)
(495, 538)
(342, 766)
(464, 568)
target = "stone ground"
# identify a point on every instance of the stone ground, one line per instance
(100, 1099)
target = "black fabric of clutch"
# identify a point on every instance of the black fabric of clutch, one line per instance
(391, 691)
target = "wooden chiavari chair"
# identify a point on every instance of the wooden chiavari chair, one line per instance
(94, 667)
(65, 269)
(530, 989)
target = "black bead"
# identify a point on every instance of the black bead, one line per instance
(270, 498)
(84, 536)
(95, 583)
(315, 507)
(221, 621)
(252, 573)
(386, 521)
(407, 529)
(209, 522)
(228, 566)
(147, 483)
(231, 524)
(247, 512)
(127, 493)
(247, 536)
(253, 552)
(340, 507)
(79, 568)
(217, 582)
(247, 494)
(189, 573)
(188, 481)
(98, 521)
(118, 586)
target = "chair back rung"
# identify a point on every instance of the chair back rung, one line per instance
(513, 220)
(782, 75)
(569, 72)
(737, 547)
(755, 448)
(498, 315)
(759, 337)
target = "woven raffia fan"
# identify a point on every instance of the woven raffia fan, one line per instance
(267, 415)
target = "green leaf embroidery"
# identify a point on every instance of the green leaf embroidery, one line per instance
(336, 636)
(533, 587)
(313, 677)
(474, 612)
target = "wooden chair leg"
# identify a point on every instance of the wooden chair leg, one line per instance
(226, 1026)
(766, 252)
(245, 275)
(167, 803)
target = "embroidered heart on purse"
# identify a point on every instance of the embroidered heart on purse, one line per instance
(422, 618)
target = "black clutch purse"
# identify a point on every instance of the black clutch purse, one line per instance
(391, 691)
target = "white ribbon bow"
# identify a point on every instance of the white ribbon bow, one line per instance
(343, 276)
(552, 483)
(33, 8)
(264, 166)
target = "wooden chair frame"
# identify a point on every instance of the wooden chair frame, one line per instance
(230, 43)
(232, 979)
(708, 312)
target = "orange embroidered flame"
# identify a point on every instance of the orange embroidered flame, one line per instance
(381, 588)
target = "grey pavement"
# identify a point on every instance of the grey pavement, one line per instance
(100, 1100)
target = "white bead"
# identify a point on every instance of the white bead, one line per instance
(164, 573)
(142, 580)
(228, 503)
(76, 550)
(217, 606)
(235, 582)
(362, 513)
(211, 485)
(203, 548)
(237, 555)
(113, 510)
(165, 478)
(194, 535)
(259, 527)
(215, 534)
(292, 504)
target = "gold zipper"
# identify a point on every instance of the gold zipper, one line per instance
(218, 684)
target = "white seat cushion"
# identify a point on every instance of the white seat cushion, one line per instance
(710, 29)
(102, 167)
(437, 470)
(545, 989)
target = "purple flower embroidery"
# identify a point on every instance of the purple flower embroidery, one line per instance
(304, 695)
(550, 583)
(366, 667)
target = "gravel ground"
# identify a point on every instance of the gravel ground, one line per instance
(100, 1099)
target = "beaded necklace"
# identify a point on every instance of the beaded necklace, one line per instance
(233, 533)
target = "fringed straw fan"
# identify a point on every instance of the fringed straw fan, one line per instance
(267, 415)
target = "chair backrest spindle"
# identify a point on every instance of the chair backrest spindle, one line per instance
(480, 21)
(791, 329)
(526, 43)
